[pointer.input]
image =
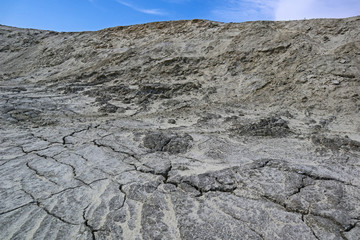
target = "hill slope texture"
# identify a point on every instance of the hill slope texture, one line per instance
(181, 130)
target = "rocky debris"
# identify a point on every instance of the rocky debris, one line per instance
(181, 130)
(141, 95)
(336, 143)
(220, 181)
(155, 91)
(167, 142)
(266, 127)
(110, 108)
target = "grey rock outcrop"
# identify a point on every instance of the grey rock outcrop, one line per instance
(181, 130)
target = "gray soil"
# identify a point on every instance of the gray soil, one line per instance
(181, 130)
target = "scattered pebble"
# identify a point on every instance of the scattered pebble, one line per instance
(336, 82)
(342, 61)
(172, 121)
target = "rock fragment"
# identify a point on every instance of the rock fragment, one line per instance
(168, 142)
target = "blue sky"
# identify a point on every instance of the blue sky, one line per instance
(81, 15)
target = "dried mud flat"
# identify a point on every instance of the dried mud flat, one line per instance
(181, 130)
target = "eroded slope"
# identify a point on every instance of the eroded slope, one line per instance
(181, 130)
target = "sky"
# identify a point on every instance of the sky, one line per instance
(84, 15)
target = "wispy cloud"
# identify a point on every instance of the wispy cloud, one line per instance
(289, 9)
(245, 10)
(242, 10)
(142, 10)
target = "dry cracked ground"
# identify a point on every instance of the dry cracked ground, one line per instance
(181, 130)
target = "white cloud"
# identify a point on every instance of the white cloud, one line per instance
(143, 10)
(289, 9)
(244, 10)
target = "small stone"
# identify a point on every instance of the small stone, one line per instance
(302, 80)
(335, 82)
(311, 76)
(172, 121)
(342, 61)
(108, 108)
